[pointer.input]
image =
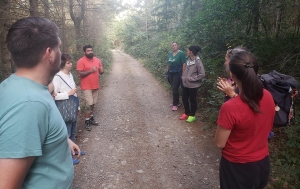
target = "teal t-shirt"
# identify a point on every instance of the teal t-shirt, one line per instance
(31, 125)
(175, 62)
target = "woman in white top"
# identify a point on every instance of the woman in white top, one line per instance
(64, 86)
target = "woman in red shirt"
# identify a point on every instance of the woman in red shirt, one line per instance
(244, 124)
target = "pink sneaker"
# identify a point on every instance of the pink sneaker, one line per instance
(174, 108)
(183, 117)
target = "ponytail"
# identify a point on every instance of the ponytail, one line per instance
(242, 65)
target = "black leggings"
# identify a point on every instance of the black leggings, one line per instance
(253, 175)
(174, 79)
(189, 94)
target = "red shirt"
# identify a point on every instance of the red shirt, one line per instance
(248, 140)
(91, 81)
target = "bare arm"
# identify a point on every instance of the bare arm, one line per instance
(13, 172)
(84, 74)
(221, 136)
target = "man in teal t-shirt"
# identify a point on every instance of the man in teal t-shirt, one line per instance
(176, 64)
(34, 149)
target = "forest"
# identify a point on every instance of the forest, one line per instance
(146, 29)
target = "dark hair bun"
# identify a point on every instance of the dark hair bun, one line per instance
(197, 48)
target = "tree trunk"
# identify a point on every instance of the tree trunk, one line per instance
(77, 20)
(264, 26)
(248, 27)
(33, 10)
(147, 17)
(6, 65)
(165, 16)
(278, 21)
(255, 12)
(63, 28)
(46, 9)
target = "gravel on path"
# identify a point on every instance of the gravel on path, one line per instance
(140, 143)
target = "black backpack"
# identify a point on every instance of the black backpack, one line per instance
(283, 89)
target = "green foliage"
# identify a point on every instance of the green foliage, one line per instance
(105, 55)
(281, 54)
(284, 152)
(269, 29)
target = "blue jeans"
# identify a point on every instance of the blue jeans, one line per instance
(71, 127)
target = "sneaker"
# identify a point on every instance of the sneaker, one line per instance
(75, 161)
(87, 125)
(93, 121)
(175, 108)
(183, 117)
(191, 119)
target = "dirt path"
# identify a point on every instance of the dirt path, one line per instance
(140, 142)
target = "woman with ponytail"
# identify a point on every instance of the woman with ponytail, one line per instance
(244, 124)
(191, 77)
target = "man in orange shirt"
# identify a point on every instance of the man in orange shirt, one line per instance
(88, 69)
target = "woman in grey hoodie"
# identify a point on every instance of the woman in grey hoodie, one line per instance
(191, 82)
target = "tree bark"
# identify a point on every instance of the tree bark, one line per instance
(33, 10)
(63, 28)
(77, 20)
(6, 65)
(46, 8)
(166, 17)
(278, 21)
(147, 17)
(255, 12)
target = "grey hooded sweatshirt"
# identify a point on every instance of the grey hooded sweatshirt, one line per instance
(193, 73)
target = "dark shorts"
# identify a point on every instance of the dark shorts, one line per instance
(253, 175)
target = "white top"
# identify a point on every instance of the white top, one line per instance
(61, 88)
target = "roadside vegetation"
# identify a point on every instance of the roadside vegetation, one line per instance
(146, 29)
(270, 29)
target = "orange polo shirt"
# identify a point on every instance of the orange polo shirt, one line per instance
(91, 81)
